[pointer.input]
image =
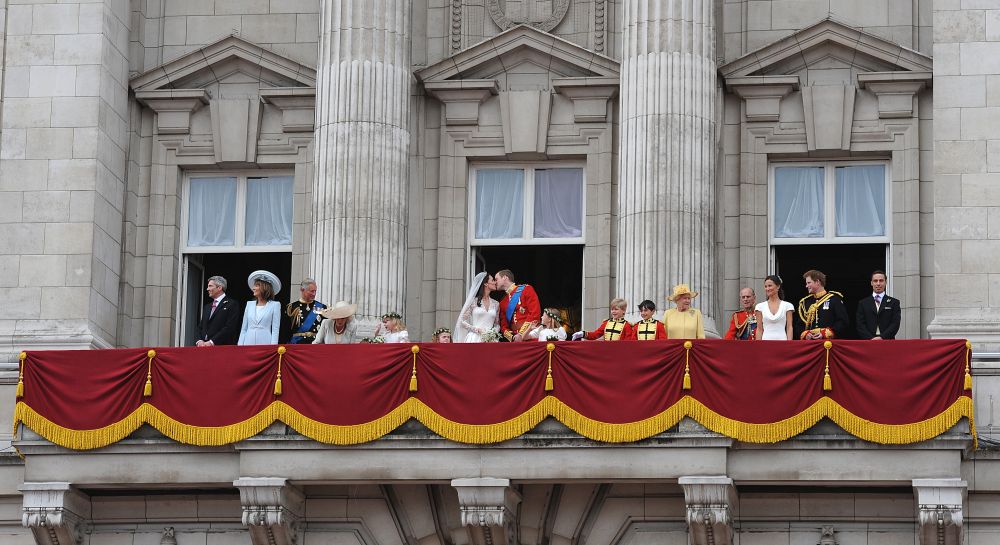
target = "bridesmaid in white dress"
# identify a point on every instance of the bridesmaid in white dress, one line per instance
(262, 317)
(392, 329)
(551, 327)
(774, 314)
(479, 313)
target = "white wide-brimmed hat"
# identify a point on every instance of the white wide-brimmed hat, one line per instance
(682, 289)
(266, 276)
(342, 309)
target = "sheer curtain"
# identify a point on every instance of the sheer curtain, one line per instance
(798, 202)
(558, 203)
(212, 212)
(269, 211)
(860, 201)
(499, 203)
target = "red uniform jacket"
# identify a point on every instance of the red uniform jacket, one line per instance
(640, 333)
(739, 329)
(609, 329)
(528, 311)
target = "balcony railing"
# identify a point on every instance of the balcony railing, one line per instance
(895, 392)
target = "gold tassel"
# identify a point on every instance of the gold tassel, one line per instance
(413, 376)
(549, 383)
(827, 382)
(687, 366)
(277, 381)
(20, 375)
(147, 390)
(968, 365)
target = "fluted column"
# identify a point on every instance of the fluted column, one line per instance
(666, 188)
(362, 143)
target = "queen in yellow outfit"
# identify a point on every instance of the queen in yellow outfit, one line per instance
(682, 321)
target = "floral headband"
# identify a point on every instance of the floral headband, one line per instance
(394, 315)
(554, 315)
(441, 330)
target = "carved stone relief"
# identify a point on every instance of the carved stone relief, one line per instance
(541, 14)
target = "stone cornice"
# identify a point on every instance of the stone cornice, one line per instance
(297, 105)
(895, 91)
(173, 107)
(461, 98)
(590, 96)
(55, 512)
(940, 510)
(763, 94)
(272, 509)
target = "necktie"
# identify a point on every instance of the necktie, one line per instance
(214, 304)
(878, 301)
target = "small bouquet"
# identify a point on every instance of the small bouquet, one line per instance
(378, 339)
(491, 336)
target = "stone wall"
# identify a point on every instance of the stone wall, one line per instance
(967, 166)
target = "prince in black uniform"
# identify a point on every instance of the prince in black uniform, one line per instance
(821, 314)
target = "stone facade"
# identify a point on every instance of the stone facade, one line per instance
(109, 107)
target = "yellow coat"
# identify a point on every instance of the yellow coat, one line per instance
(684, 325)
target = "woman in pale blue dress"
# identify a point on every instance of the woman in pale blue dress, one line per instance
(262, 317)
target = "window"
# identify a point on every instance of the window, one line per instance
(832, 203)
(540, 204)
(245, 212)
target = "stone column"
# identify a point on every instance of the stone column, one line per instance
(666, 181)
(362, 144)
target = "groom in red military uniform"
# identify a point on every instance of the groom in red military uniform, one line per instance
(519, 309)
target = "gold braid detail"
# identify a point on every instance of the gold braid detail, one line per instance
(809, 315)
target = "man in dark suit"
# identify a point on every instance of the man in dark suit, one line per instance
(220, 319)
(878, 316)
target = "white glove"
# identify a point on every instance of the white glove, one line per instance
(578, 336)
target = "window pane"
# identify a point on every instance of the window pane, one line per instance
(559, 203)
(269, 211)
(798, 202)
(499, 203)
(861, 201)
(212, 212)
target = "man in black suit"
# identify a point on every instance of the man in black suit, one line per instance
(220, 319)
(878, 316)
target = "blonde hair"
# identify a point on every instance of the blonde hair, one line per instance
(396, 325)
(618, 302)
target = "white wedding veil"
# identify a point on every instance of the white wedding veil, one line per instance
(461, 332)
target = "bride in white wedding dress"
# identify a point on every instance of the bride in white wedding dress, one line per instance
(479, 314)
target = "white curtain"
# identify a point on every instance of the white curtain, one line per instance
(860, 201)
(212, 212)
(499, 203)
(269, 211)
(559, 203)
(798, 202)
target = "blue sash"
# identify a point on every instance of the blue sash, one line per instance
(512, 306)
(308, 322)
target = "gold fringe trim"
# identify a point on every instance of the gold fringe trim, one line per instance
(494, 433)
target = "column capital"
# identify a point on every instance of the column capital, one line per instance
(940, 510)
(709, 501)
(272, 509)
(55, 512)
(489, 508)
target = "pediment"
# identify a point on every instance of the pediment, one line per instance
(828, 44)
(521, 50)
(229, 60)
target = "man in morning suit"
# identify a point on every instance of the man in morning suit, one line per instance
(821, 314)
(519, 310)
(220, 319)
(878, 316)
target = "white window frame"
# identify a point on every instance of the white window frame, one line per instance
(239, 243)
(528, 228)
(830, 204)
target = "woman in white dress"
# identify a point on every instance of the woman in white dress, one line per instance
(262, 317)
(774, 314)
(550, 329)
(479, 313)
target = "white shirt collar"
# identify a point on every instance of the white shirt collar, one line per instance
(883, 294)
(220, 298)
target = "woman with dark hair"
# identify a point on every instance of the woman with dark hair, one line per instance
(774, 314)
(262, 317)
(479, 313)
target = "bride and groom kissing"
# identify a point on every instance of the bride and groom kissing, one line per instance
(483, 319)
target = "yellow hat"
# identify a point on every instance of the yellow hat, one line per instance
(682, 289)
